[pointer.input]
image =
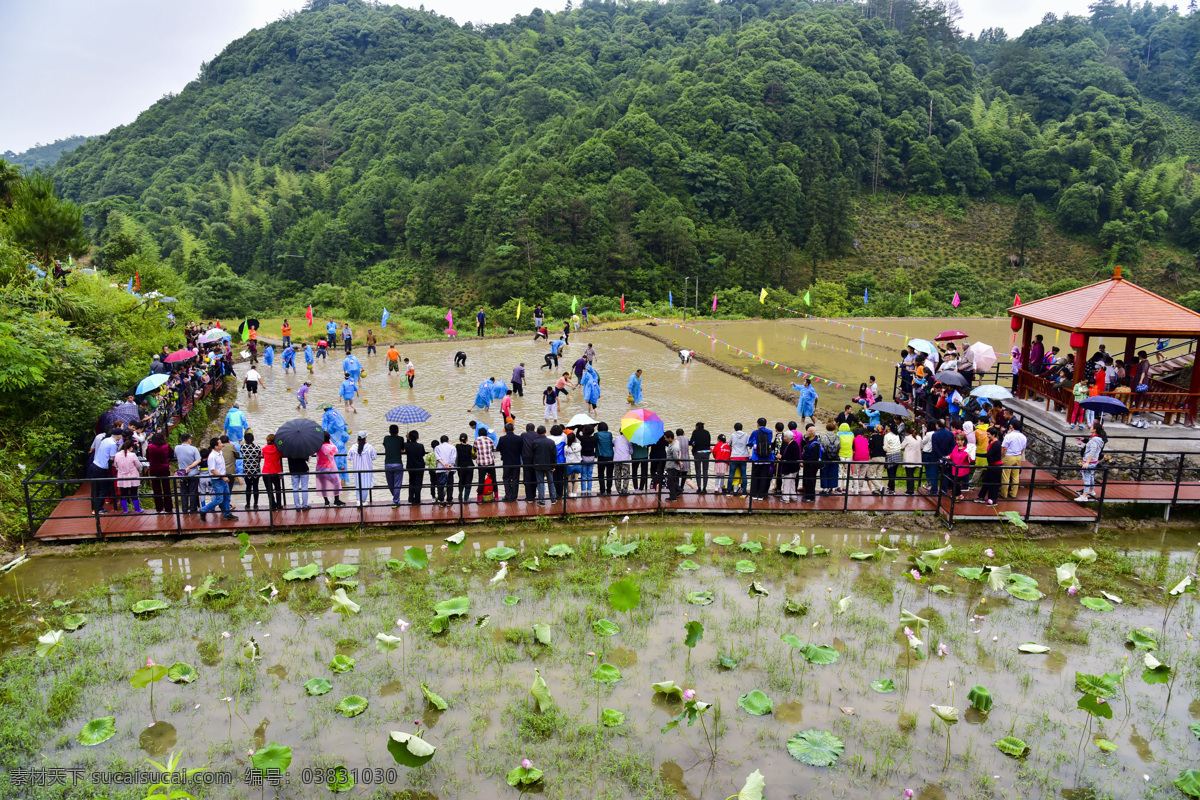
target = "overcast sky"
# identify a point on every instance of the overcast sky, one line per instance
(85, 66)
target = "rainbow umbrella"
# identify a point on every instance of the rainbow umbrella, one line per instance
(641, 426)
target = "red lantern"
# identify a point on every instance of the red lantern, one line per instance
(1076, 340)
(1015, 324)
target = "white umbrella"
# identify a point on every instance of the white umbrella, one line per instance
(983, 356)
(581, 419)
(215, 335)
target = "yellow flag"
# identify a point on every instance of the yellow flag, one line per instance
(762, 297)
(518, 309)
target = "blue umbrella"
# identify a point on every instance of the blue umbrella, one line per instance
(150, 384)
(1105, 405)
(923, 346)
(407, 415)
(992, 393)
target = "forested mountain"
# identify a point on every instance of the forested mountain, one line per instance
(618, 147)
(43, 155)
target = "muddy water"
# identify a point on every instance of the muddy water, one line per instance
(680, 394)
(843, 354)
(892, 741)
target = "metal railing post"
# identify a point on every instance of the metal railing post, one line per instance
(1103, 493)
(658, 492)
(1142, 461)
(1178, 480)
(175, 504)
(358, 492)
(1032, 483)
(28, 506)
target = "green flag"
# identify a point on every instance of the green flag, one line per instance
(808, 298)
(910, 295)
(245, 326)
(574, 304)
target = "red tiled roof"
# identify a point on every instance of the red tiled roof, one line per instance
(1112, 307)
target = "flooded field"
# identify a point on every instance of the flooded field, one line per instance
(680, 394)
(780, 644)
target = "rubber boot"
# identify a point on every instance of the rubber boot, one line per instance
(124, 506)
(137, 506)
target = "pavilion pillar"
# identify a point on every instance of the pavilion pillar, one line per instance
(1194, 389)
(1026, 340)
(1081, 359)
(1130, 355)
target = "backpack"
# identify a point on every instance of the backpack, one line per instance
(762, 446)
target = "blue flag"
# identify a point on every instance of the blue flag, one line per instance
(670, 299)
(864, 295)
(385, 316)
(129, 288)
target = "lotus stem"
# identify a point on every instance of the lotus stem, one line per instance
(712, 751)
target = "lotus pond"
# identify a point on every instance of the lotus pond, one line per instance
(631, 662)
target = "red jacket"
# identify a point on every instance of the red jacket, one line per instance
(721, 451)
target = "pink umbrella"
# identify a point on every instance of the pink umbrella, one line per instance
(949, 336)
(180, 355)
(983, 356)
(451, 332)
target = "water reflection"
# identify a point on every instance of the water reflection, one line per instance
(157, 739)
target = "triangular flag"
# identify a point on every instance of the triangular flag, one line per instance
(385, 319)
(910, 295)
(714, 302)
(518, 309)
(670, 300)
(574, 303)
(308, 316)
(762, 296)
(865, 297)
(808, 298)
(70, 261)
(244, 329)
(450, 318)
(1016, 299)
(129, 288)
(622, 303)
(955, 301)
(137, 280)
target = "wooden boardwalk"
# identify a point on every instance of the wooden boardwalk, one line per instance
(72, 520)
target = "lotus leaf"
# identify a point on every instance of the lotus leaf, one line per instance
(180, 672)
(700, 598)
(1012, 746)
(723, 541)
(1084, 554)
(1112, 598)
(500, 553)
(756, 703)
(307, 572)
(1095, 706)
(728, 662)
(456, 538)
(385, 643)
(862, 556)
(624, 595)
(1013, 518)
(510, 600)
(560, 551)
(274, 757)
(970, 573)
(482, 622)
(669, 688)
(416, 557)
(940, 588)
(1195, 729)
(394, 563)
(1188, 782)
(757, 590)
(947, 714)
(500, 575)
(435, 700)
(531, 564)
(753, 788)
(147, 606)
(844, 604)
(1184, 585)
(685, 549)
(523, 776)
(751, 547)
(1023, 587)
(57, 604)
(101, 729)
(351, 706)
(48, 642)
(339, 780)
(342, 604)
(611, 718)
(687, 563)
(693, 633)
(820, 550)
(816, 748)
(1155, 671)
(1104, 686)
(618, 550)
(884, 685)
(454, 607)
(144, 676)
(346, 584)
(1106, 745)
(920, 565)
(541, 692)
(909, 618)
(885, 549)
(795, 606)
(1066, 575)
(74, 622)
(1096, 604)
(250, 650)
(980, 698)
(1033, 647)
(819, 654)
(243, 543)
(793, 548)
(744, 566)
(998, 577)
(1143, 638)
(339, 571)
(603, 627)
(206, 588)
(607, 673)
(341, 663)
(542, 632)
(317, 687)
(792, 639)
(409, 750)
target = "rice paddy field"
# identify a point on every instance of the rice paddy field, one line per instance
(618, 661)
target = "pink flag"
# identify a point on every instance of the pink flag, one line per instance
(308, 316)
(714, 302)
(450, 318)
(955, 301)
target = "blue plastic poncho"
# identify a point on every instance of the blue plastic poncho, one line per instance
(635, 388)
(334, 424)
(483, 398)
(591, 387)
(236, 424)
(308, 354)
(269, 356)
(348, 388)
(484, 430)
(352, 365)
(807, 404)
(289, 357)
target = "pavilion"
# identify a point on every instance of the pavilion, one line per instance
(1118, 309)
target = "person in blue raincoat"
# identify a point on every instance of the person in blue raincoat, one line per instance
(347, 391)
(591, 387)
(635, 387)
(269, 356)
(485, 395)
(483, 430)
(289, 359)
(353, 367)
(806, 406)
(308, 357)
(236, 424)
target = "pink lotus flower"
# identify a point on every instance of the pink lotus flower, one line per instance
(943, 650)
(225, 635)
(403, 625)
(150, 662)
(989, 553)
(274, 593)
(250, 752)
(689, 694)
(908, 631)
(591, 654)
(503, 564)
(908, 793)
(1072, 591)
(188, 589)
(883, 530)
(916, 573)
(445, 547)
(526, 763)
(947, 538)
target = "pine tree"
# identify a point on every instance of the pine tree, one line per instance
(1025, 232)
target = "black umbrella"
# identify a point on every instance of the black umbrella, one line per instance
(299, 438)
(895, 409)
(951, 378)
(251, 322)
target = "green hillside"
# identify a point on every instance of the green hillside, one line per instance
(615, 149)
